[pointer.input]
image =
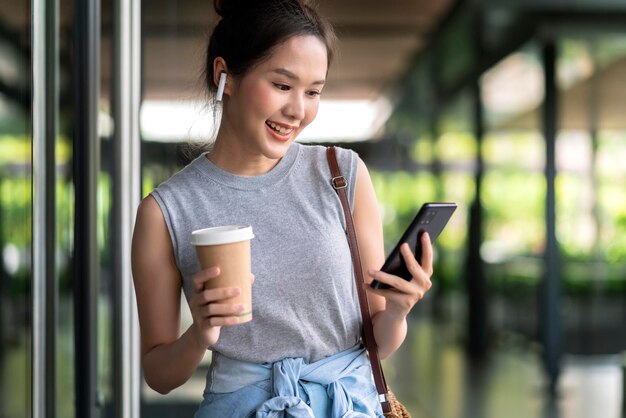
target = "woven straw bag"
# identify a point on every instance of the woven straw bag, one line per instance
(397, 409)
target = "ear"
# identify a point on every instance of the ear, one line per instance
(219, 67)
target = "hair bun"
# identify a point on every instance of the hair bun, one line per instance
(228, 8)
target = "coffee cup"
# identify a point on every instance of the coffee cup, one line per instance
(228, 247)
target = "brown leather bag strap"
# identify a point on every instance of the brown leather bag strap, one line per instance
(340, 184)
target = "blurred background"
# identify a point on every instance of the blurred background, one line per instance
(516, 110)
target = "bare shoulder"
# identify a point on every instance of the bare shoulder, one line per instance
(151, 240)
(364, 188)
(149, 210)
(362, 168)
(150, 223)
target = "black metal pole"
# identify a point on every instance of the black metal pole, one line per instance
(85, 164)
(550, 325)
(475, 276)
(52, 106)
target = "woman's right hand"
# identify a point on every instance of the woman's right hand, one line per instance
(209, 312)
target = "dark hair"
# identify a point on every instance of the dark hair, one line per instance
(250, 29)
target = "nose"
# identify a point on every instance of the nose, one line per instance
(295, 108)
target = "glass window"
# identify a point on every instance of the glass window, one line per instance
(591, 73)
(106, 234)
(455, 52)
(591, 198)
(456, 150)
(15, 211)
(513, 188)
(64, 197)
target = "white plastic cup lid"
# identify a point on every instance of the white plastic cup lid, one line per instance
(218, 235)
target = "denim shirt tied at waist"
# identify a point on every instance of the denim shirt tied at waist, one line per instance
(347, 377)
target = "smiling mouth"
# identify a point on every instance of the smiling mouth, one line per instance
(279, 129)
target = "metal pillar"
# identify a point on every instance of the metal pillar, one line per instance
(478, 337)
(45, 109)
(52, 106)
(86, 168)
(126, 185)
(475, 276)
(551, 325)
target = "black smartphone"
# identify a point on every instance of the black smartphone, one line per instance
(431, 218)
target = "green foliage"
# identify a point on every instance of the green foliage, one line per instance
(16, 378)
(14, 150)
(15, 198)
(514, 202)
(456, 147)
(400, 195)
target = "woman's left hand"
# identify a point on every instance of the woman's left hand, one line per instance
(404, 294)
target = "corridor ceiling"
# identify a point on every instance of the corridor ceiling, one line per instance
(378, 40)
(595, 101)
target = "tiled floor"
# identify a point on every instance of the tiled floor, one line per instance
(434, 378)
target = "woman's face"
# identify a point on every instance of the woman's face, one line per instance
(272, 103)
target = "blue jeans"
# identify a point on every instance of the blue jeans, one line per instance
(328, 388)
(314, 394)
(237, 405)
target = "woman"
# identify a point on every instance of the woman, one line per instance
(268, 61)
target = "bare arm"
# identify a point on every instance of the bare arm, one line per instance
(390, 307)
(168, 359)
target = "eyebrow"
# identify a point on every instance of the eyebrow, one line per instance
(289, 74)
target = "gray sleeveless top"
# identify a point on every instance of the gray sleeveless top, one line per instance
(304, 299)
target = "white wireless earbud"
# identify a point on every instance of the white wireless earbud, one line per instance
(220, 87)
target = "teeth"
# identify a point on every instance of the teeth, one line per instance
(279, 129)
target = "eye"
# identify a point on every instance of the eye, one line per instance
(313, 93)
(282, 87)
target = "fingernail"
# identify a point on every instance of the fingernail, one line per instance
(372, 272)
